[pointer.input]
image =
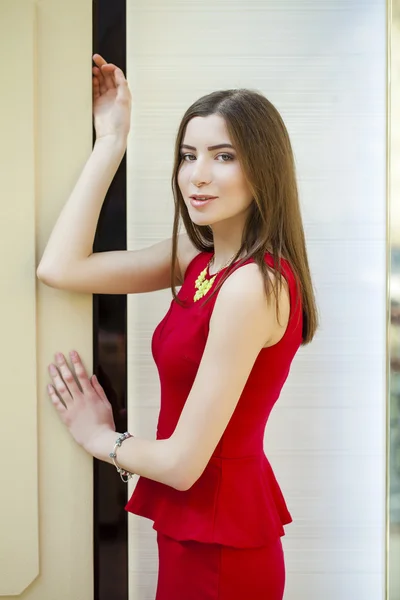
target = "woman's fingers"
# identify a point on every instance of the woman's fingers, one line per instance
(80, 372)
(99, 389)
(59, 385)
(107, 76)
(107, 71)
(66, 385)
(96, 85)
(119, 77)
(60, 406)
(67, 375)
(123, 91)
(99, 62)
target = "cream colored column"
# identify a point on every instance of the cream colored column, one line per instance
(45, 125)
(19, 526)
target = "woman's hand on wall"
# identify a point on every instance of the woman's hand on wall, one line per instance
(81, 403)
(112, 100)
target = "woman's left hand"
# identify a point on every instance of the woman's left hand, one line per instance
(85, 410)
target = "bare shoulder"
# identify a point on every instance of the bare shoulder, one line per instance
(242, 299)
(244, 289)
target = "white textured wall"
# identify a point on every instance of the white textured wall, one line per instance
(323, 64)
(394, 547)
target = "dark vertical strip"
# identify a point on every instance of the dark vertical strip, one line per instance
(110, 342)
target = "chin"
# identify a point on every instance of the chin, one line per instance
(198, 218)
(201, 223)
(208, 220)
(205, 218)
(202, 220)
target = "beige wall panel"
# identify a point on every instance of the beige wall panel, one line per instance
(45, 122)
(19, 554)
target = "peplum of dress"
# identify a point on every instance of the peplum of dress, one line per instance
(237, 500)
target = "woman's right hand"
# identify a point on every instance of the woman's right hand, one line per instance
(111, 100)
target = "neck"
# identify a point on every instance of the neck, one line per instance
(226, 245)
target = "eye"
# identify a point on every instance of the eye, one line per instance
(183, 156)
(230, 157)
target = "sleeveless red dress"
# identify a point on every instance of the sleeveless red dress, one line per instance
(237, 500)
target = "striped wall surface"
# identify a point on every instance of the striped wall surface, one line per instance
(323, 64)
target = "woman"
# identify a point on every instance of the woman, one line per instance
(224, 348)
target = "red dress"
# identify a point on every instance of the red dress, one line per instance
(237, 501)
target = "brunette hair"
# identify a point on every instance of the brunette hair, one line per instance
(274, 223)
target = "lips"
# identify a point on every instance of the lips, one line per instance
(202, 196)
(196, 203)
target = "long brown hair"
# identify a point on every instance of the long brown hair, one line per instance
(274, 223)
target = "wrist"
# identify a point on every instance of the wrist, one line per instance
(101, 444)
(117, 141)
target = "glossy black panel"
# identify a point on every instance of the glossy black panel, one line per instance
(109, 342)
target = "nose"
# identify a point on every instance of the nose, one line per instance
(199, 175)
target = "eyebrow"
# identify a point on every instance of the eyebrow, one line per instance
(209, 147)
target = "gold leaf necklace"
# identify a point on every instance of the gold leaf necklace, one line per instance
(202, 284)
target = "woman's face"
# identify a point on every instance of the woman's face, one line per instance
(212, 171)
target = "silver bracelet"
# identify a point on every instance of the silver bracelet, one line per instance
(113, 455)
